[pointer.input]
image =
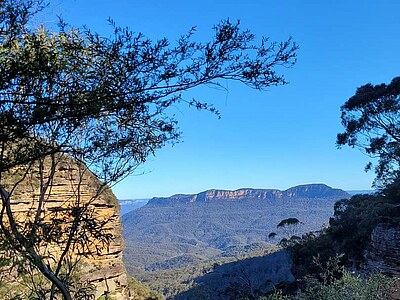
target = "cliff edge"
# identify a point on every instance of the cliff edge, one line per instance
(99, 262)
(306, 191)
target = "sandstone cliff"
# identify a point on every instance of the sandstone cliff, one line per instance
(308, 191)
(100, 258)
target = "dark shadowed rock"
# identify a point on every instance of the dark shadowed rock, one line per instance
(383, 252)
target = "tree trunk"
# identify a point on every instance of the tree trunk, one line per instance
(35, 259)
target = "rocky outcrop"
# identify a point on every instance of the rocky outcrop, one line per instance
(308, 191)
(99, 257)
(383, 252)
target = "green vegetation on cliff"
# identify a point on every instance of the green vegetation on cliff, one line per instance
(350, 229)
(348, 287)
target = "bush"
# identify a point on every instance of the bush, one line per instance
(140, 291)
(349, 230)
(348, 287)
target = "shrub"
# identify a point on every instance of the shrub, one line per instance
(140, 291)
(348, 287)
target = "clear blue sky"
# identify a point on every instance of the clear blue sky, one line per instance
(273, 139)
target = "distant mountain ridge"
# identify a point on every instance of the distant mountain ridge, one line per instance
(308, 191)
(193, 231)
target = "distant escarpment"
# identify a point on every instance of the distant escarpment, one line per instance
(307, 191)
(216, 226)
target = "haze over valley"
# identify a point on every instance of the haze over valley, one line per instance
(153, 150)
(218, 226)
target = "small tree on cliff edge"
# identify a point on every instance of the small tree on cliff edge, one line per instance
(372, 123)
(103, 101)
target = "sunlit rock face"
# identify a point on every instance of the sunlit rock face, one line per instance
(99, 260)
(383, 252)
(308, 191)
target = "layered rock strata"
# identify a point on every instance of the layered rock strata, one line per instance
(383, 252)
(98, 253)
(308, 191)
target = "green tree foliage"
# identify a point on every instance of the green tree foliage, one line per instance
(349, 230)
(290, 228)
(372, 123)
(104, 102)
(288, 222)
(349, 287)
(333, 282)
(141, 291)
(113, 93)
